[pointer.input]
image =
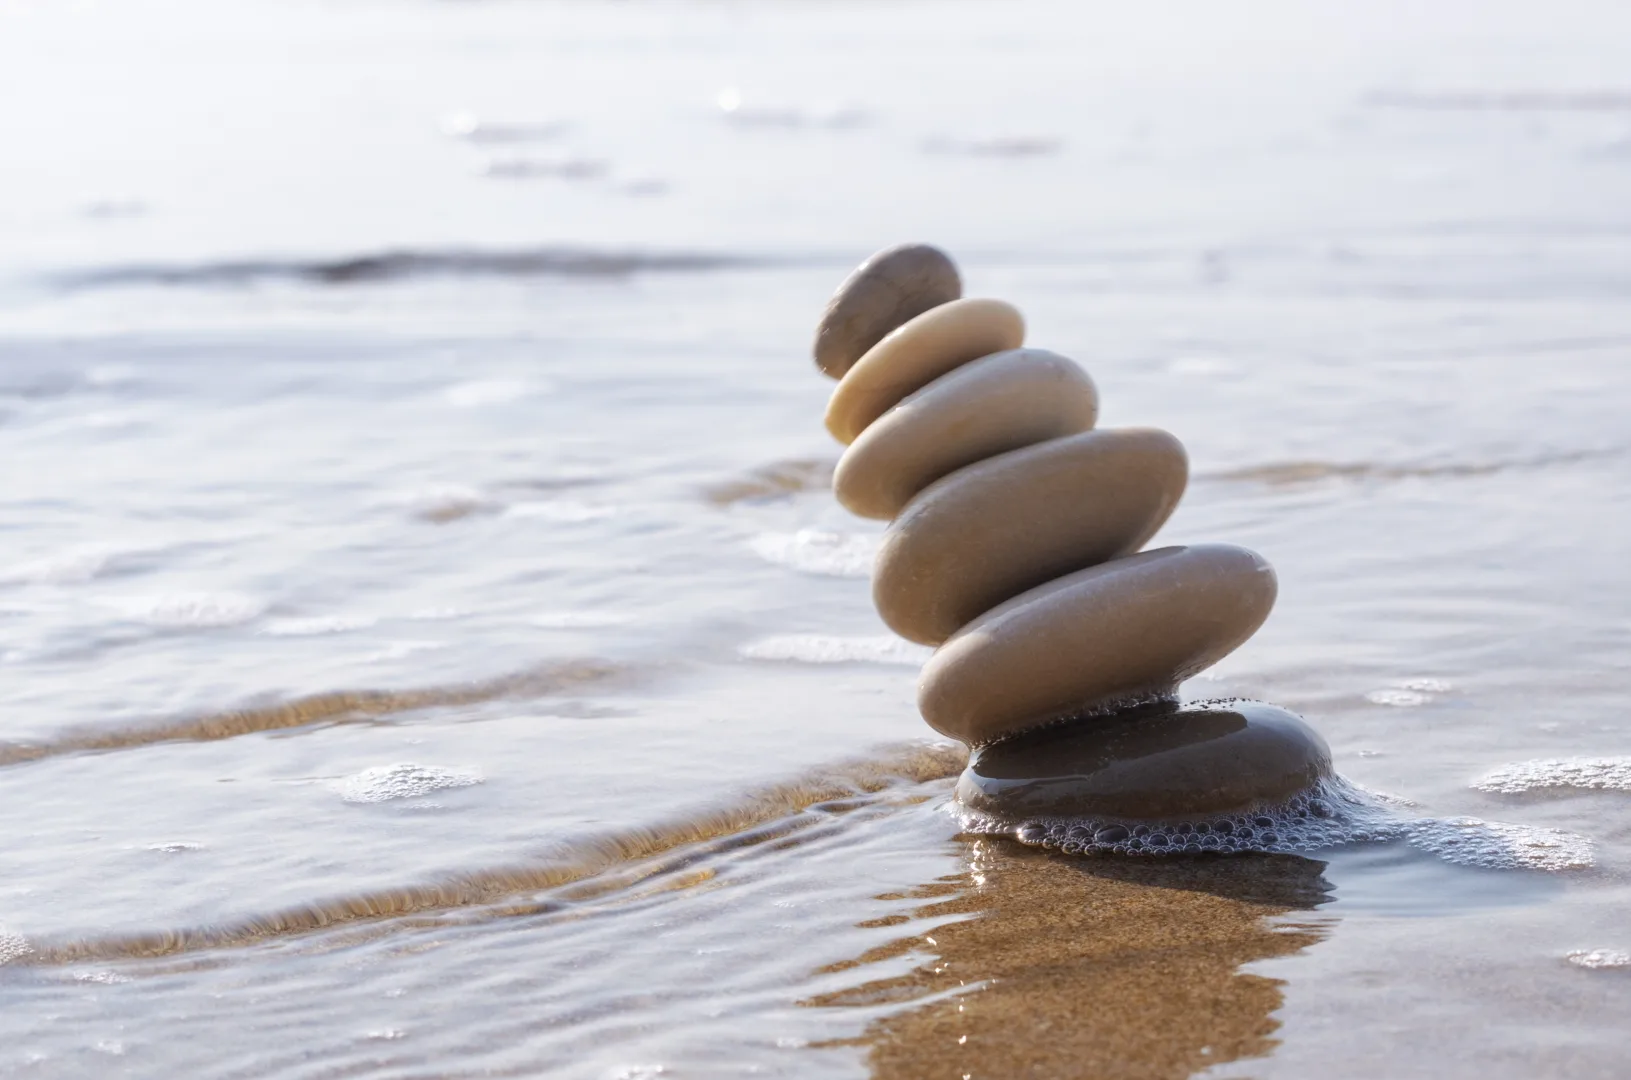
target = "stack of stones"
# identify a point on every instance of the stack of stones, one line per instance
(1015, 548)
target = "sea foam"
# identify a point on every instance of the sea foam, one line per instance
(1588, 773)
(1332, 813)
(816, 551)
(834, 649)
(403, 780)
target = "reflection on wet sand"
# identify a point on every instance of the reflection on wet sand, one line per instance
(1058, 967)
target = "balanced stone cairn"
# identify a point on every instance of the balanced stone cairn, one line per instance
(1014, 547)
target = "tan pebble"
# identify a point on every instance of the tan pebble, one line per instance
(892, 287)
(1164, 762)
(984, 408)
(1125, 631)
(916, 354)
(992, 530)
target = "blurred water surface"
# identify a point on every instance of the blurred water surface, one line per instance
(428, 645)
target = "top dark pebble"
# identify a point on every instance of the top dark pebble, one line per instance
(892, 287)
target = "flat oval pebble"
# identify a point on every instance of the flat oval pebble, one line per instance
(1126, 631)
(892, 287)
(1162, 762)
(917, 353)
(989, 406)
(993, 530)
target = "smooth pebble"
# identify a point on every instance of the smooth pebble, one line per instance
(987, 407)
(1126, 631)
(917, 353)
(892, 287)
(993, 530)
(1159, 761)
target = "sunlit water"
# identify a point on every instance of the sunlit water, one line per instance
(429, 646)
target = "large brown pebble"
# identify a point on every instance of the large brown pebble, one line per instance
(917, 353)
(993, 530)
(1162, 763)
(1126, 631)
(892, 287)
(984, 408)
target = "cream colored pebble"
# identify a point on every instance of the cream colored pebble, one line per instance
(915, 354)
(986, 407)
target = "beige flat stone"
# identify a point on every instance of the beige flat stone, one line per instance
(892, 287)
(986, 407)
(1128, 630)
(917, 353)
(1165, 762)
(992, 530)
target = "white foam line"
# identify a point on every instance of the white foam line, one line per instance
(833, 649)
(816, 551)
(404, 780)
(1583, 773)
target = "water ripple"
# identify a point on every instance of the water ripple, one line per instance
(410, 263)
(332, 707)
(615, 860)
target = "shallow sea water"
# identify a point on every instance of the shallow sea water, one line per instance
(428, 645)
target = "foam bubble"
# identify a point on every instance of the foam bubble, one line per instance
(1409, 693)
(191, 611)
(831, 649)
(562, 510)
(12, 946)
(176, 847)
(396, 650)
(816, 551)
(832, 114)
(1398, 697)
(1588, 773)
(1329, 814)
(104, 978)
(1599, 959)
(1499, 845)
(639, 1072)
(318, 626)
(403, 780)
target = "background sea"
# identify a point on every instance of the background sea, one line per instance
(429, 646)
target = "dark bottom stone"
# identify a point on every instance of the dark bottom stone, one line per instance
(1159, 761)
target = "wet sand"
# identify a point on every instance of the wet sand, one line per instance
(1091, 967)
